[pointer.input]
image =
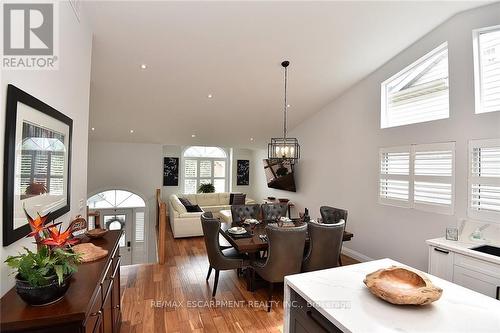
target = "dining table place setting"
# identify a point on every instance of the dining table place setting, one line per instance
(238, 232)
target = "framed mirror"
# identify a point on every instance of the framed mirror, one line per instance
(37, 163)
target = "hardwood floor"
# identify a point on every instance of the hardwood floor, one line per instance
(176, 298)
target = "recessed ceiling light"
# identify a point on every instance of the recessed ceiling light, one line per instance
(131, 131)
(193, 135)
(144, 66)
(210, 96)
(251, 139)
(288, 105)
(93, 129)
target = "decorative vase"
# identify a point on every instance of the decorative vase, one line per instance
(43, 295)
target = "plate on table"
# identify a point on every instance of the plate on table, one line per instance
(237, 230)
(251, 221)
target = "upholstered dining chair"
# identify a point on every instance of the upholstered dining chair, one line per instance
(223, 243)
(242, 212)
(286, 247)
(219, 259)
(325, 243)
(332, 215)
(271, 212)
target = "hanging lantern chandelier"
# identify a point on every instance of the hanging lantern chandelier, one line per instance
(284, 149)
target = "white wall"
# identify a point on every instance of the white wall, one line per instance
(340, 148)
(134, 167)
(67, 90)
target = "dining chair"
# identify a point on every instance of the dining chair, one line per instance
(286, 246)
(325, 243)
(271, 212)
(242, 212)
(223, 243)
(219, 259)
(331, 215)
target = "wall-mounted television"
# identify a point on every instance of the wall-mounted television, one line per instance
(279, 175)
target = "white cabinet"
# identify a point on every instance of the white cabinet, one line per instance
(473, 273)
(478, 275)
(482, 283)
(441, 263)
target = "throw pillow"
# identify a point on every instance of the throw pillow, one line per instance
(193, 209)
(239, 199)
(185, 202)
(231, 197)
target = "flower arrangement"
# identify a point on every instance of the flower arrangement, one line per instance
(54, 258)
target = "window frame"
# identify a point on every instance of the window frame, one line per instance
(212, 177)
(473, 213)
(384, 122)
(411, 177)
(478, 98)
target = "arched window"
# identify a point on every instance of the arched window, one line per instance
(205, 165)
(115, 199)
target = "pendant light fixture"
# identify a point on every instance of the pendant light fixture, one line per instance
(284, 149)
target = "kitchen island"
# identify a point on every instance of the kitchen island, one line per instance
(337, 300)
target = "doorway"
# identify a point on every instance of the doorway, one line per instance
(123, 210)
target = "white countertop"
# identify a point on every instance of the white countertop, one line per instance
(464, 247)
(458, 310)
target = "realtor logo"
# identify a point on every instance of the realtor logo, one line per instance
(28, 36)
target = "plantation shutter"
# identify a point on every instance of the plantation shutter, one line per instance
(418, 93)
(489, 71)
(433, 179)
(484, 179)
(395, 175)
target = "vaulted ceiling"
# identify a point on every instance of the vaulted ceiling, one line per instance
(232, 51)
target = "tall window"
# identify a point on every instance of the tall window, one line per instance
(484, 179)
(418, 176)
(419, 92)
(487, 69)
(205, 165)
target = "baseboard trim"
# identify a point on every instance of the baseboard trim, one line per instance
(355, 255)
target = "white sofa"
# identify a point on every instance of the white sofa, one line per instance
(186, 224)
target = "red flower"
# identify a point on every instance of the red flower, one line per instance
(59, 239)
(37, 224)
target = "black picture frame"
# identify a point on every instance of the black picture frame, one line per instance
(170, 171)
(242, 172)
(14, 97)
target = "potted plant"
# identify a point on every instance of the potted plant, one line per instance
(43, 277)
(206, 188)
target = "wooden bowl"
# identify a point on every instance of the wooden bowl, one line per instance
(96, 233)
(399, 285)
(283, 200)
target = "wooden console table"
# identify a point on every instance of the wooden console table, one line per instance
(91, 304)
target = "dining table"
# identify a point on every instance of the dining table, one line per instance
(254, 242)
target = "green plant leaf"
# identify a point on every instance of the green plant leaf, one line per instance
(59, 273)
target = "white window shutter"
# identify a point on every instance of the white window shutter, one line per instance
(487, 69)
(484, 179)
(434, 177)
(419, 176)
(394, 186)
(418, 93)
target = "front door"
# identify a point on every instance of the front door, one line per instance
(120, 219)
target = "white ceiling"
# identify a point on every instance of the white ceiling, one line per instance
(233, 50)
